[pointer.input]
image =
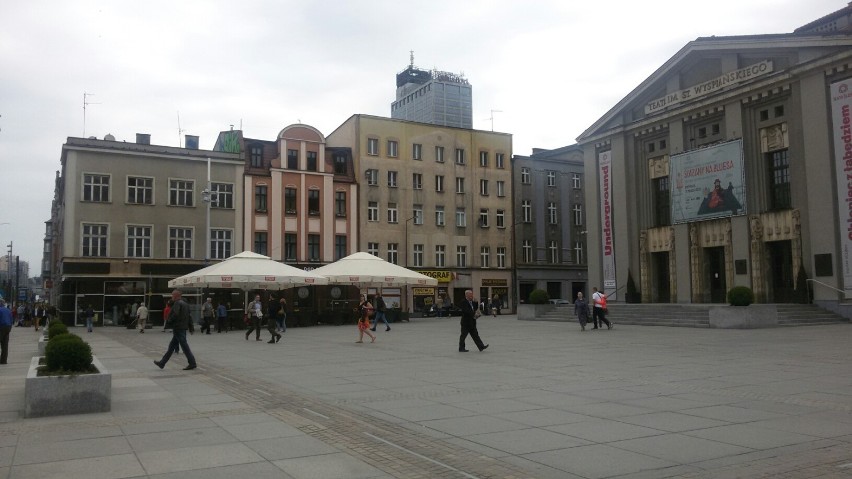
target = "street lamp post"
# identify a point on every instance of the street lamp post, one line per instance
(207, 196)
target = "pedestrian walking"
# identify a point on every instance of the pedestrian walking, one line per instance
(89, 315)
(207, 314)
(599, 311)
(470, 313)
(5, 330)
(281, 315)
(221, 317)
(39, 315)
(255, 313)
(365, 309)
(180, 321)
(141, 317)
(581, 309)
(381, 308)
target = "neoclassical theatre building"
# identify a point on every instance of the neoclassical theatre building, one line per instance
(730, 165)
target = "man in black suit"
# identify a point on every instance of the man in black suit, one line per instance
(470, 311)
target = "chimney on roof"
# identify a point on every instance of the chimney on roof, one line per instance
(191, 142)
(143, 139)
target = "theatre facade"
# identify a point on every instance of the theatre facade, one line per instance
(731, 165)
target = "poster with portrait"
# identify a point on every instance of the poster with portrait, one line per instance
(708, 183)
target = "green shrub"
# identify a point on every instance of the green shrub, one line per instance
(68, 352)
(539, 296)
(56, 328)
(740, 296)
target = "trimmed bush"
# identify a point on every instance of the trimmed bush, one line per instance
(740, 296)
(56, 328)
(69, 353)
(539, 296)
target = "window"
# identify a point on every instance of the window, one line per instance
(484, 254)
(554, 252)
(417, 151)
(313, 247)
(339, 247)
(526, 211)
(372, 146)
(461, 220)
(393, 253)
(260, 242)
(439, 183)
(551, 178)
(220, 244)
(418, 255)
(501, 257)
(222, 195)
(500, 160)
(461, 256)
(341, 166)
(417, 181)
(180, 192)
(373, 177)
(313, 202)
(293, 159)
(140, 191)
(501, 218)
(459, 156)
(340, 203)
(552, 213)
(501, 188)
(373, 248)
(575, 179)
(439, 216)
(483, 217)
(290, 246)
(417, 215)
(96, 188)
(779, 176)
(180, 242)
(440, 252)
(483, 158)
(312, 161)
(525, 175)
(290, 201)
(256, 154)
(527, 250)
(373, 211)
(260, 198)
(439, 154)
(94, 240)
(483, 187)
(459, 185)
(392, 175)
(393, 148)
(578, 215)
(393, 213)
(578, 252)
(138, 241)
(662, 212)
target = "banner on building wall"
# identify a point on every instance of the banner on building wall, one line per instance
(841, 124)
(607, 238)
(708, 183)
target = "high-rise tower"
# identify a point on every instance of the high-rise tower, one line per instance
(433, 96)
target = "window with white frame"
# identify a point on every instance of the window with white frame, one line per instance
(439, 183)
(526, 211)
(373, 211)
(260, 197)
(393, 253)
(313, 247)
(501, 218)
(484, 256)
(222, 195)
(500, 160)
(525, 175)
(501, 188)
(180, 242)
(417, 151)
(483, 187)
(578, 252)
(459, 156)
(527, 250)
(554, 252)
(290, 197)
(459, 185)
(393, 148)
(373, 248)
(483, 158)
(440, 254)
(461, 219)
(418, 255)
(439, 154)
(501, 256)
(340, 204)
(372, 177)
(94, 240)
(95, 188)
(392, 175)
(578, 214)
(551, 178)
(181, 192)
(372, 146)
(393, 213)
(417, 214)
(138, 241)
(417, 181)
(220, 244)
(552, 213)
(575, 179)
(140, 190)
(439, 216)
(461, 256)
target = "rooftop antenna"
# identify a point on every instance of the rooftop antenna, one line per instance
(180, 131)
(492, 117)
(412, 58)
(86, 102)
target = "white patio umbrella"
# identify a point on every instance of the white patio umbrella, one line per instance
(364, 269)
(248, 271)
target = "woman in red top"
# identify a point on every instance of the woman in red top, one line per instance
(366, 310)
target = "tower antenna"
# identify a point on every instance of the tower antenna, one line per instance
(412, 58)
(86, 102)
(492, 117)
(180, 131)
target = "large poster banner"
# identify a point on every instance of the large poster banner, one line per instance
(841, 117)
(708, 183)
(607, 243)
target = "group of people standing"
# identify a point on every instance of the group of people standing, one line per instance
(599, 310)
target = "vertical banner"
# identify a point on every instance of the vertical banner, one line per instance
(607, 243)
(841, 116)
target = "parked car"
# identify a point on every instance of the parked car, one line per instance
(561, 302)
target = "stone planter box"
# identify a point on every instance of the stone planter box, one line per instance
(531, 312)
(744, 317)
(59, 395)
(42, 343)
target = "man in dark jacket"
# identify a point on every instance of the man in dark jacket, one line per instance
(381, 309)
(470, 311)
(5, 330)
(179, 320)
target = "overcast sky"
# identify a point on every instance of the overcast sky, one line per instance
(551, 67)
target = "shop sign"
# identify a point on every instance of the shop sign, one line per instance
(494, 282)
(442, 276)
(423, 291)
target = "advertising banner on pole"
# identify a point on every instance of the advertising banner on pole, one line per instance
(607, 234)
(708, 183)
(841, 123)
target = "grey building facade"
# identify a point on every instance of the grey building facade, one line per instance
(433, 96)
